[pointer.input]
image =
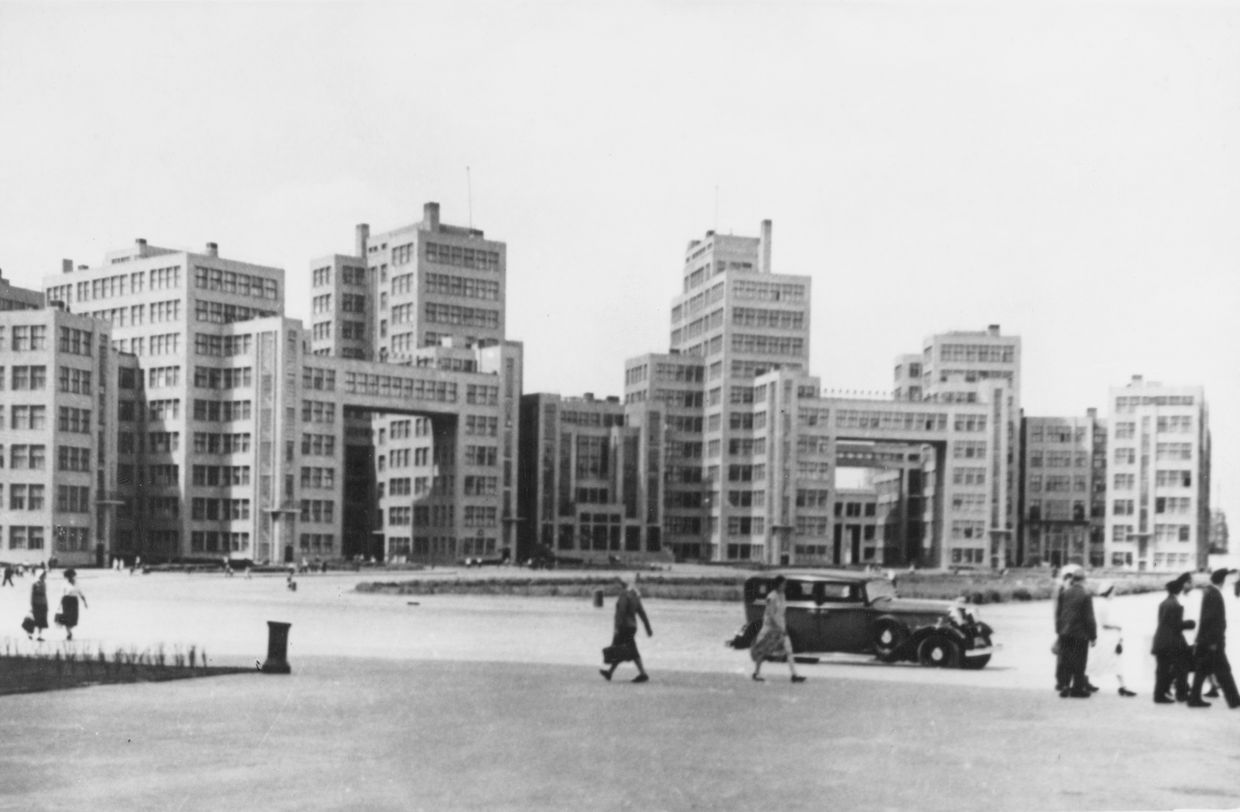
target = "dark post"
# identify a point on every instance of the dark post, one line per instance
(598, 599)
(277, 648)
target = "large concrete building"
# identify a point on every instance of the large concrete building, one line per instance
(754, 446)
(592, 479)
(162, 405)
(252, 439)
(63, 493)
(1158, 497)
(1064, 482)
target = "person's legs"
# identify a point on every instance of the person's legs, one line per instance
(792, 661)
(1226, 680)
(1204, 667)
(1182, 666)
(1074, 656)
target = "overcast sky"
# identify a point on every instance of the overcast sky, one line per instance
(1066, 170)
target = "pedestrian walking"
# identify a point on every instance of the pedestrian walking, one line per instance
(774, 634)
(1108, 656)
(1078, 631)
(1064, 580)
(623, 646)
(1170, 649)
(38, 604)
(1211, 654)
(8, 576)
(68, 615)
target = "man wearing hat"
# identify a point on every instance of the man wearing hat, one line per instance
(1077, 632)
(1170, 649)
(1211, 654)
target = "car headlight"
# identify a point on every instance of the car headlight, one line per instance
(961, 615)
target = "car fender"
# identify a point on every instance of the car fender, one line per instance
(950, 632)
(906, 647)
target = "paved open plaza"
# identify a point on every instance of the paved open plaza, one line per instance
(452, 701)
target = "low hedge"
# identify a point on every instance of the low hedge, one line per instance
(975, 587)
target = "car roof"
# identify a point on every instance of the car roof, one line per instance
(851, 576)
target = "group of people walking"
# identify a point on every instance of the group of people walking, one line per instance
(1078, 629)
(772, 639)
(72, 601)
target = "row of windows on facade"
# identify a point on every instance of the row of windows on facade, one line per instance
(349, 275)
(441, 484)
(349, 330)
(439, 546)
(1165, 424)
(29, 496)
(1126, 533)
(33, 378)
(1126, 404)
(974, 353)
(471, 515)
(364, 383)
(136, 315)
(1162, 504)
(23, 456)
(30, 337)
(34, 418)
(752, 317)
(125, 284)
(1163, 452)
(741, 289)
(444, 285)
(601, 532)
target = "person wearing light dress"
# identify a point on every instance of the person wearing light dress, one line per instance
(1108, 658)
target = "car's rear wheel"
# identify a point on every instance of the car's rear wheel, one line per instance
(974, 663)
(937, 651)
(889, 636)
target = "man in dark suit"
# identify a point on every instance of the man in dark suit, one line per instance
(1077, 632)
(1211, 654)
(1170, 649)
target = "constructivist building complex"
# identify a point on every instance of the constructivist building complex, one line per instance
(162, 405)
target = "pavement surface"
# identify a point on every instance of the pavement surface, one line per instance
(462, 702)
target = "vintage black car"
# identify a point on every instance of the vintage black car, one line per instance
(859, 612)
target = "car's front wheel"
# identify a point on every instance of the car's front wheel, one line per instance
(889, 636)
(937, 651)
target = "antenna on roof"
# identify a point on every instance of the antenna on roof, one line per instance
(469, 192)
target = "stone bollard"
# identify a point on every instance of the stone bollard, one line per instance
(277, 648)
(598, 599)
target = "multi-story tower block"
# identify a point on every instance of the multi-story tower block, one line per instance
(1064, 486)
(1158, 512)
(591, 478)
(741, 320)
(173, 310)
(428, 295)
(59, 492)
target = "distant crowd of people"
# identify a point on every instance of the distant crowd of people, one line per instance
(1079, 628)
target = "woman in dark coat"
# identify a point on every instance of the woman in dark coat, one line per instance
(38, 602)
(624, 640)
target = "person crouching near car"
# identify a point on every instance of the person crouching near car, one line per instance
(1078, 630)
(624, 638)
(774, 635)
(1170, 649)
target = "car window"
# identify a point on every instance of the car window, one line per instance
(799, 591)
(838, 592)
